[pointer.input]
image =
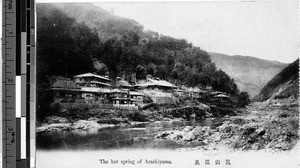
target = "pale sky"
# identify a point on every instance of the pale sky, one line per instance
(264, 29)
(267, 29)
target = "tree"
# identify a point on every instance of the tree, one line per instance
(140, 72)
(64, 49)
(243, 99)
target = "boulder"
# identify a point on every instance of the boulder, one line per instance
(85, 125)
(55, 127)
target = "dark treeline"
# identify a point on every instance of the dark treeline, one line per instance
(67, 48)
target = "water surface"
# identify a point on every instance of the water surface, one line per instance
(139, 136)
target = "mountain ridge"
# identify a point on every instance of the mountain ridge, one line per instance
(250, 73)
(284, 85)
(249, 57)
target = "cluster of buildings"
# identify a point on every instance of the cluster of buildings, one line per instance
(92, 88)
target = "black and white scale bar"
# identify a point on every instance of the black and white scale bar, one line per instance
(18, 83)
(21, 82)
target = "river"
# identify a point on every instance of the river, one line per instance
(140, 136)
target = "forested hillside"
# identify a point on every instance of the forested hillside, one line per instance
(78, 39)
(74, 47)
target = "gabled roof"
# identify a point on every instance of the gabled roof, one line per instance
(64, 84)
(153, 82)
(91, 75)
(96, 82)
(123, 83)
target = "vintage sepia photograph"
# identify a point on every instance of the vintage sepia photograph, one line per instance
(167, 84)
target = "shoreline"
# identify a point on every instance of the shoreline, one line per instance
(257, 128)
(272, 128)
(108, 118)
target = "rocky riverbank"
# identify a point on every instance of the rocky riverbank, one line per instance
(96, 118)
(257, 128)
(92, 125)
(274, 128)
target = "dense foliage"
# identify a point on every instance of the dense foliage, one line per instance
(67, 47)
(243, 99)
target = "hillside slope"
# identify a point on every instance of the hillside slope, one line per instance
(123, 45)
(284, 85)
(105, 23)
(88, 38)
(250, 74)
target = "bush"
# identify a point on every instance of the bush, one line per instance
(243, 99)
(55, 108)
(77, 110)
(138, 116)
(112, 121)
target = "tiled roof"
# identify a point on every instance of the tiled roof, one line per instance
(64, 84)
(96, 82)
(153, 82)
(123, 83)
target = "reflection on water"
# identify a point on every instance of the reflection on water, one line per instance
(138, 137)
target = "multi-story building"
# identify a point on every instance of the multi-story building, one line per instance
(92, 80)
(94, 87)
